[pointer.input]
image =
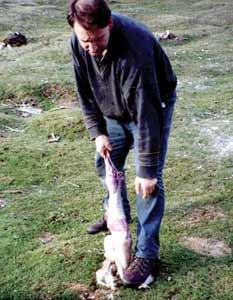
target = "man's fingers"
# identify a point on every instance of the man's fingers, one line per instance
(145, 186)
(144, 194)
(103, 153)
(147, 191)
(105, 149)
(109, 147)
(137, 186)
(103, 145)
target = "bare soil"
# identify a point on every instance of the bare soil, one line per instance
(208, 247)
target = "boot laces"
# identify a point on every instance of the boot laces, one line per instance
(140, 265)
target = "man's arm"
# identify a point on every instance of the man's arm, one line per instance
(142, 96)
(143, 102)
(93, 117)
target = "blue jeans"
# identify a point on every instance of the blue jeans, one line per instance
(150, 211)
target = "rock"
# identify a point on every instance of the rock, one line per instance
(15, 39)
(2, 203)
(47, 238)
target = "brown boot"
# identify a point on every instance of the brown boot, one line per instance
(100, 225)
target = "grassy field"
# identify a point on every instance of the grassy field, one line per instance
(49, 192)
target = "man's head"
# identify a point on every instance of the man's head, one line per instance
(92, 23)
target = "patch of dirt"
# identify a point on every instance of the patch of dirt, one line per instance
(86, 294)
(3, 135)
(56, 217)
(47, 238)
(208, 247)
(220, 138)
(224, 144)
(66, 102)
(21, 108)
(206, 213)
(61, 95)
(28, 101)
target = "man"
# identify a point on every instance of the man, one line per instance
(126, 88)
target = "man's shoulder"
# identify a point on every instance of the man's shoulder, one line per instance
(73, 40)
(75, 46)
(132, 28)
(137, 36)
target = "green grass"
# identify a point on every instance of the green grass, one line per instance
(52, 188)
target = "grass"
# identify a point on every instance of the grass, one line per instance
(51, 189)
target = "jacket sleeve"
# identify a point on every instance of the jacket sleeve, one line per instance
(166, 77)
(141, 93)
(93, 117)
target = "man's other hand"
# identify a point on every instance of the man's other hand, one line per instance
(103, 145)
(145, 186)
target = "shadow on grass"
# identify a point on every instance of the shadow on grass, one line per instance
(180, 261)
(178, 265)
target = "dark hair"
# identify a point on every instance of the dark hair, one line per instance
(89, 13)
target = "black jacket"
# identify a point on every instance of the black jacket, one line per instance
(132, 80)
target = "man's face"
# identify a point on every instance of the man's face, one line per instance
(94, 40)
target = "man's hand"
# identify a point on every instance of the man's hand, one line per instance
(103, 145)
(145, 186)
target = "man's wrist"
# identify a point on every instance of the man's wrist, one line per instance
(147, 172)
(95, 132)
